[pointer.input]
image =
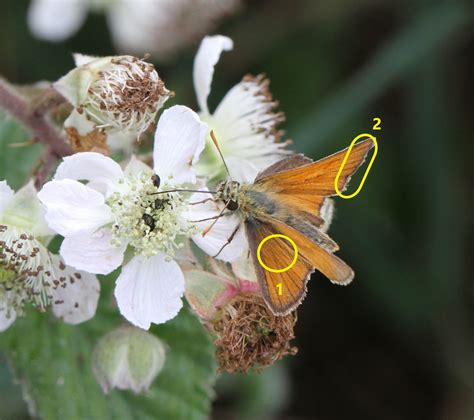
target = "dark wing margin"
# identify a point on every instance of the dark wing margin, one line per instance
(285, 164)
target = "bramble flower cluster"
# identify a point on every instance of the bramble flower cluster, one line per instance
(116, 210)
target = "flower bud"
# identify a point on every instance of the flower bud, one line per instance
(128, 358)
(208, 291)
(114, 95)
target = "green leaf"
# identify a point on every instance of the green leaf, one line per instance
(16, 163)
(52, 360)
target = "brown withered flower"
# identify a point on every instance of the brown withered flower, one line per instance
(250, 336)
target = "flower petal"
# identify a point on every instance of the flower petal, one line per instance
(327, 213)
(122, 142)
(241, 170)
(151, 17)
(77, 301)
(104, 172)
(93, 252)
(79, 122)
(73, 208)
(82, 59)
(246, 124)
(179, 140)
(206, 58)
(218, 236)
(56, 20)
(7, 317)
(149, 290)
(6, 194)
(136, 166)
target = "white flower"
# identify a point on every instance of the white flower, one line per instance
(244, 122)
(115, 100)
(29, 273)
(119, 209)
(214, 243)
(155, 26)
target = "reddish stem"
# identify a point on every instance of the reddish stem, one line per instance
(35, 122)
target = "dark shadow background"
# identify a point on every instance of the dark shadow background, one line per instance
(396, 343)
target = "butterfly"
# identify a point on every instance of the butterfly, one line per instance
(286, 199)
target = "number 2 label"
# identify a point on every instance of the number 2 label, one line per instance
(377, 122)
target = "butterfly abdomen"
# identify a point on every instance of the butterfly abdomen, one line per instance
(304, 226)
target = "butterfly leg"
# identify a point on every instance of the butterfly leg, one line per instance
(211, 218)
(203, 201)
(229, 240)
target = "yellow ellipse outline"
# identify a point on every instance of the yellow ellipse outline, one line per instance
(277, 235)
(336, 180)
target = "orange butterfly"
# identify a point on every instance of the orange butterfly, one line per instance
(286, 199)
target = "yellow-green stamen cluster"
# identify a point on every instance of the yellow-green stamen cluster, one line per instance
(148, 221)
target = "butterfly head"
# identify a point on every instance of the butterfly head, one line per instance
(229, 192)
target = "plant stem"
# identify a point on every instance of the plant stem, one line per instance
(45, 167)
(50, 98)
(35, 122)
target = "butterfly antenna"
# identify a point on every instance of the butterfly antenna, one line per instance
(184, 190)
(214, 140)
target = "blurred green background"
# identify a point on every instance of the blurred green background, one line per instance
(397, 343)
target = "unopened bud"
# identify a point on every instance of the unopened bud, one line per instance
(208, 291)
(128, 358)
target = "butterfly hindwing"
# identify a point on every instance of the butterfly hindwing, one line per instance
(322, 259)
(277, 253)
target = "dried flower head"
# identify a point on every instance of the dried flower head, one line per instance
(126, 94)
(114, 95)
(249, 336)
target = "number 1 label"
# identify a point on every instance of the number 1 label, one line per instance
(279, 286)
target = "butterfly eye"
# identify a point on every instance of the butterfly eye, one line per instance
(232, 205)
(156, 180)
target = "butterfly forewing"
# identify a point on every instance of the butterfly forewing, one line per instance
(305, 187)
